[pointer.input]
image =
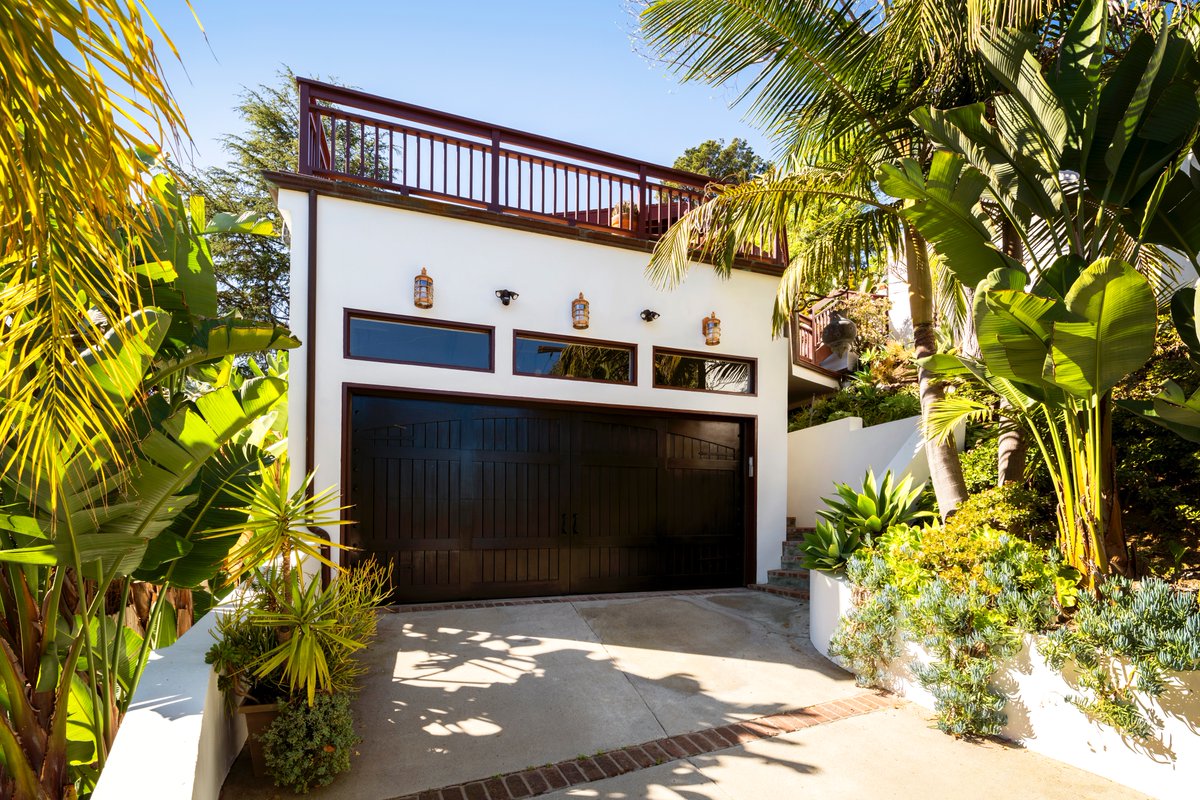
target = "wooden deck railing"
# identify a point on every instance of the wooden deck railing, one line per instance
(804, 332)
(348, 135)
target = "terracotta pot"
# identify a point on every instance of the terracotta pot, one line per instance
(258, 719)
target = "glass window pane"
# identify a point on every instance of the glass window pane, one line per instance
(419, 343)
(683, 371)
(565, 359)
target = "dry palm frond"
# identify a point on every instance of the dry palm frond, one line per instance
(85, 101)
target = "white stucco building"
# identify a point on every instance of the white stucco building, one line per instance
(495, 449)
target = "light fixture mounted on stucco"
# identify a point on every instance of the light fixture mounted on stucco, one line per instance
(423, 290)
(649, 315)
(711, 328)
(506, 296)
(580, 316)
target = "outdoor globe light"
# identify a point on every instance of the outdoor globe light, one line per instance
(579, 313)
(506, 296)
(711, 328)
(423, 290)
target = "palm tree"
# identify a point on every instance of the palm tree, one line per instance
(85, 104)
(834, 85)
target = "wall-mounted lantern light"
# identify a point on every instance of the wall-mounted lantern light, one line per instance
(649, 315)
(423, 290)
(711, 328)
(579, 312)
(506, 296)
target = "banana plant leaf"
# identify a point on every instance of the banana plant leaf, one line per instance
(218, 339)
(1114, 335)
(941, 206)
(1171, 410)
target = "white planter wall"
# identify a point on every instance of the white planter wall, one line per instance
(176, 742)
(1041, 719)
(828, 599)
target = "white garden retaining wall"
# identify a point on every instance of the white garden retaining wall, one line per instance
(1041, 719)
(176, 742)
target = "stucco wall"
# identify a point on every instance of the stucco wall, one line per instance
(841, 452)
(367, 257)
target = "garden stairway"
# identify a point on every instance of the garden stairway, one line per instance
(791, 579)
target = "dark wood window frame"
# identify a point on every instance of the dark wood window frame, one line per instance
(674, 351)
(556, 337)
(428, 322)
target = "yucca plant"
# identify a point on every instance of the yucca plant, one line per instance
(870, 512)
(319, 630)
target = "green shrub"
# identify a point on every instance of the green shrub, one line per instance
(874, 404)
(877, 507)
(827, 547)
(1012, 509)
(979, 465)
(1150, 625)
(866, 638)
(309, 746)
(966, 595)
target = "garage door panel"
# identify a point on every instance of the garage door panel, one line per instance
(472, 500)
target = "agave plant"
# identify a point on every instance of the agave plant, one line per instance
(877, 507)
(829, 546)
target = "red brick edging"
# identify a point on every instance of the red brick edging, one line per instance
(609, 764)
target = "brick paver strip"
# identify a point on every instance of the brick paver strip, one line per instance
(552, 777)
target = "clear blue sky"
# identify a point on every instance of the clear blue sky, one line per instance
(561, 68)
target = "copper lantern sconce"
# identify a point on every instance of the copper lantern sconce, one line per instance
(579, 313)
(423, 290)
(711, 328)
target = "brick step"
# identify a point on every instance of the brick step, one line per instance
(788, 578)
(791, 522)
(780, 591)
(792, 550)
(792, 563)
(788, 572)
(797, 534)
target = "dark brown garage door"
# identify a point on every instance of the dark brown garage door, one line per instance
(468, 500)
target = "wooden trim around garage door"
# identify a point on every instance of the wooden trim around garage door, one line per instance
(750, 449)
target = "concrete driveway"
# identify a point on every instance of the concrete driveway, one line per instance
(689, 695)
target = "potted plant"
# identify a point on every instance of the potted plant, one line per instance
(285, 651)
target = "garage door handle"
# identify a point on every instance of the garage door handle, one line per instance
(563, 529)
(575, 524)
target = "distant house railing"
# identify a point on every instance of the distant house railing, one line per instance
(804, 331)
(347, 135)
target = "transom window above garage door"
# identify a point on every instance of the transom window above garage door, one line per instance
(552, 356)
(680, 369)
(412, 340)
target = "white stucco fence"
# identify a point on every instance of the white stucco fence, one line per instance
(176, 742)
(842, 451)
(1040, 717)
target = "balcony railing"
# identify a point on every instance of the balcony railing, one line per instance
(347, 135)
(808, 349)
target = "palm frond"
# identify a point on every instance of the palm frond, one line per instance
(947, 414)
(754, 214)
(69, 211)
